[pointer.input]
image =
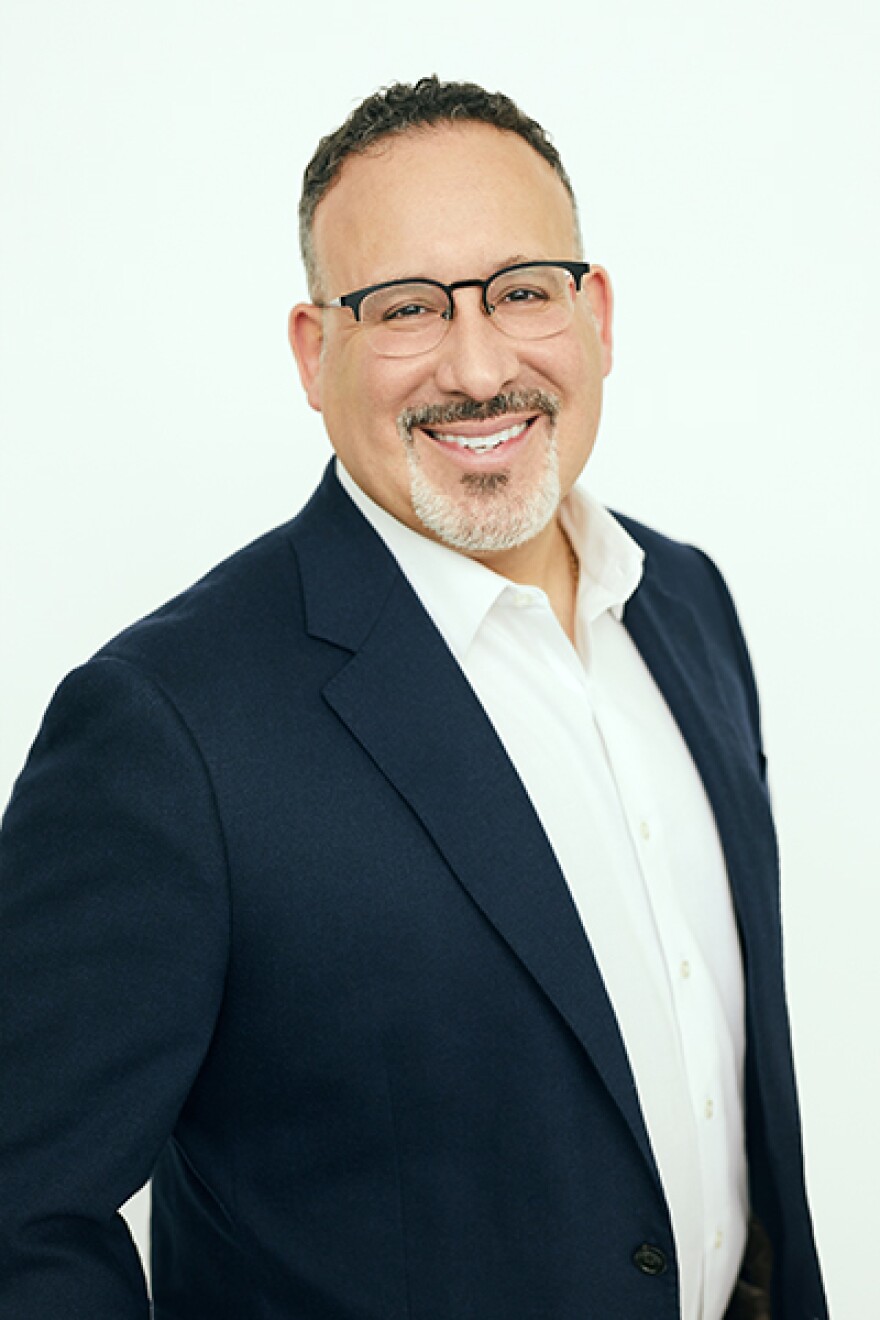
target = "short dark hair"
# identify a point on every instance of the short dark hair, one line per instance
(399, 109)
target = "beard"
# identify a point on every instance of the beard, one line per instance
(484, 513)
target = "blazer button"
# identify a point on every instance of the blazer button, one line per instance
(650, 1260)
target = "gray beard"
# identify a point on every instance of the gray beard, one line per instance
(482, 516)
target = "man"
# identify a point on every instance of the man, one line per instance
(403, 897)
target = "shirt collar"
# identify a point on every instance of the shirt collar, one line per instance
(458, 592)
(611, 562)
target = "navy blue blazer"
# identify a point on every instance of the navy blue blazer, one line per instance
(282, 930)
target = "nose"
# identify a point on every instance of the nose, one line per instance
(475, 358)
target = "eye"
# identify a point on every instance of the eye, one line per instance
(523, 294)
(403, 306)
(408, 312)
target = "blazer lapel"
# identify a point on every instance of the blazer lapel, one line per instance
(676, 651)
(406, 701)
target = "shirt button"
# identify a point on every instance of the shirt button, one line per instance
(650, 1260)
(685, 969)
(719, 1239)
(645, 830)
(521, 600)
(710, 1109)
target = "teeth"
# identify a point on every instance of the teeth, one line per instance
(482, 444)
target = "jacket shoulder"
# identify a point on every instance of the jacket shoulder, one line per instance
(683, 569)
(687, 572)
(227, 622)
(671, 561)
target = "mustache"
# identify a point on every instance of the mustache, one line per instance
(468, 410)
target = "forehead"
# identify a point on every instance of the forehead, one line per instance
(451, 202)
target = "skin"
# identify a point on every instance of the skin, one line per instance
(454, 202)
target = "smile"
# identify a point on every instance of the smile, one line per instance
(482, 444)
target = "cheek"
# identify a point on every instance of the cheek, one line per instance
(569, 366)
(574, 372)
(351, 395)
(363, 396)
(375, 391)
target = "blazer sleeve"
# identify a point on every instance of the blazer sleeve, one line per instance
(113, 945)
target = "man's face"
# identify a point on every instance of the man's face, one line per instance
(454, 203)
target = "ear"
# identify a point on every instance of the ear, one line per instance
(601, 302)
(305, 330)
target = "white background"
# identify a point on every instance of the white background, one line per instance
(726, 158)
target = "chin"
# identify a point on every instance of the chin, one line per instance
(485, 513)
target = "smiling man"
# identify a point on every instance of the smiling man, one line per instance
(463, 393)
(404, 896)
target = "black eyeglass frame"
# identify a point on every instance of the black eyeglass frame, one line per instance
(576, 269)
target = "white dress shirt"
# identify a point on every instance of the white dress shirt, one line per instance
(619, 797)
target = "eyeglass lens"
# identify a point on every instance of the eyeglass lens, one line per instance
(528, 303)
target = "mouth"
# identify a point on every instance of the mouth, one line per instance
(481, 438)
(484, 437)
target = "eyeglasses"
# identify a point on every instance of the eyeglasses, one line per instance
(531, 300)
